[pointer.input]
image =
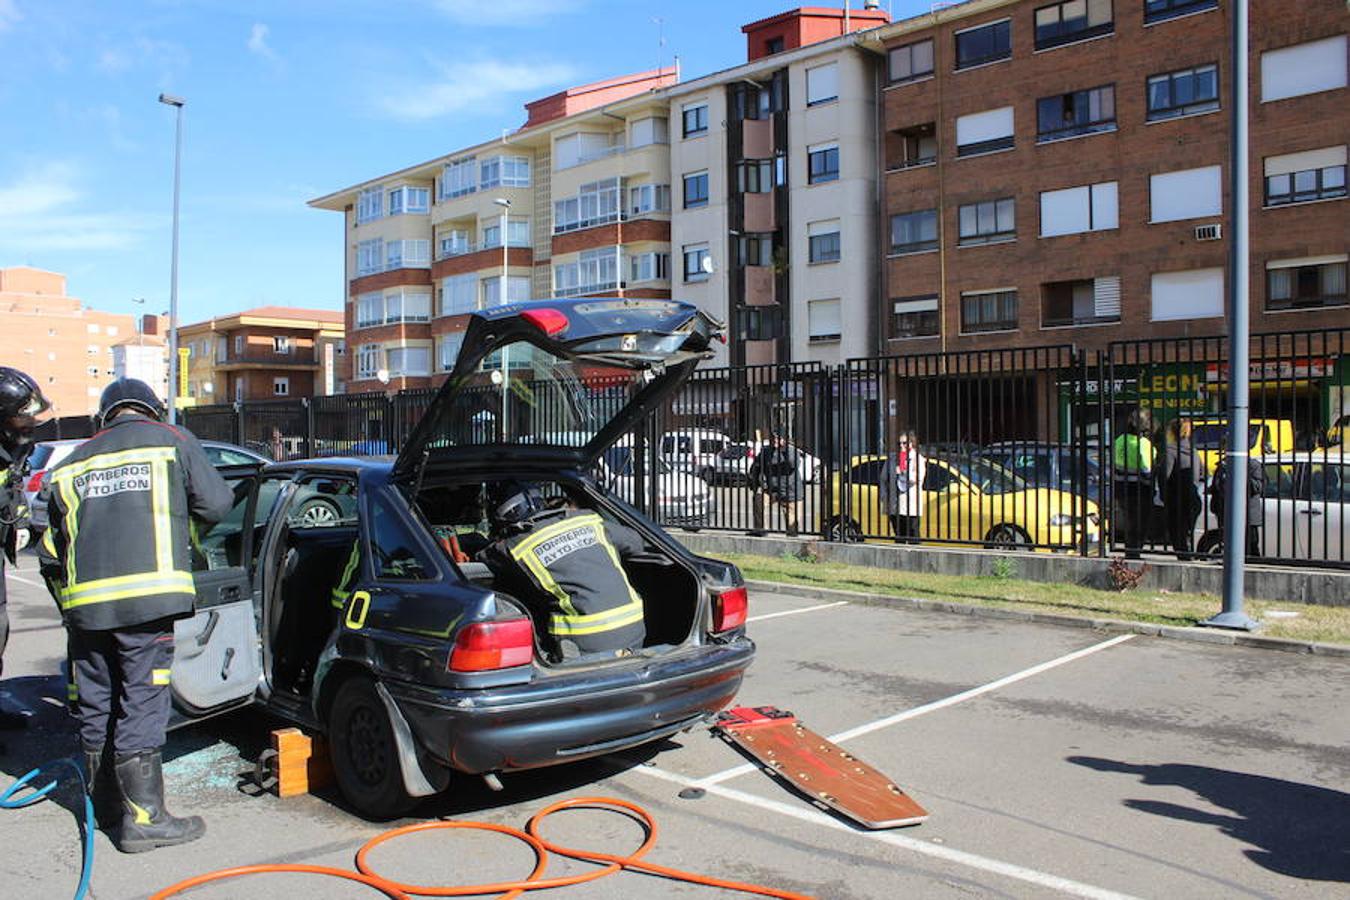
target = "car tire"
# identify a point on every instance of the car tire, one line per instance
(1007, 537)
(319, 512)
(365, 753)
(1211, 542)
(843, 532)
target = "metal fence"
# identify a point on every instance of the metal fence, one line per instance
(1012, 448)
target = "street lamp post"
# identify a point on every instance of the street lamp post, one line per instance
(505, 205)
(177, 103)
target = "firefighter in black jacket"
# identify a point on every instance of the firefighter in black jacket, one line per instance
(117, 558)
(21, 402)
(568, 564)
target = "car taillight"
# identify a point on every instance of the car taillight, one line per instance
(35, 482)
(548, 320)
(482, 646)
(729, 609)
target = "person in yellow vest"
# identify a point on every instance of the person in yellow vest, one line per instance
(1132, 461)
(117, 559)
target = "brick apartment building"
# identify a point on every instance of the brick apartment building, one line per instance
(70, 349)
(266, 353)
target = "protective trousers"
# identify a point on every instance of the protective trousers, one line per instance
(122, 680)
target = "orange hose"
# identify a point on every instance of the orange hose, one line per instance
(512, 889)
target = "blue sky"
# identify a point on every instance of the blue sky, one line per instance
(287, 101)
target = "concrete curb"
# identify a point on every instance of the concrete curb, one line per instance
(1195, 635)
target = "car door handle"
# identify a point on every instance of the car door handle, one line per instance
(1311, 512)
(225, 667)
(229, 593)
(205, 637)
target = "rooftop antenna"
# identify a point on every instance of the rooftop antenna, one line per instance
(660, 44)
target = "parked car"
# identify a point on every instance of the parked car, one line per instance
(732, 465)
(221, 453)
(1051, 465)
(967, 499)
(1305, 509)
(44, 457)
(1266, 437)
(432, 670)
(682, 498)
(693, 450)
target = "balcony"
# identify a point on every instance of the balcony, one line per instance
(267, 359)
(760, 212)
(760, 286)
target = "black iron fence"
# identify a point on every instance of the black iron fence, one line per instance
(1050, 448)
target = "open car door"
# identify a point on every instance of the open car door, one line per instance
(217, 658)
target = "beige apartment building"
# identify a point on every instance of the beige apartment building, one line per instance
(69, 349)
(751, 192)
(266, 353)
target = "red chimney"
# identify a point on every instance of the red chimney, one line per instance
(807, 25)
(149, 324)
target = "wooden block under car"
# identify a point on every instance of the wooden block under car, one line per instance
(302, 762)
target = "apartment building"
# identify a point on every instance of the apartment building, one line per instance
(1058, 172)
(67, 347)
(266, 353)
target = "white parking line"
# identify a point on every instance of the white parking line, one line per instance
(22, 580)
(793, 612)
(931, 707)
(940, 851)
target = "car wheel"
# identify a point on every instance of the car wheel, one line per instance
(318, 512)
(1008, 537)
(1210, 542)
(842, 532)
(364, 752)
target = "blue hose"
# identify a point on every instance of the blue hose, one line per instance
(9, 800)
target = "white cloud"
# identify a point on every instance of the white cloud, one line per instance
(9, 14)
(257, 42)
(141, 52)
(515, 13)
(477, 86)
(39, 211)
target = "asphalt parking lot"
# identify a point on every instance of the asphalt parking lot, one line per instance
(1052, 761)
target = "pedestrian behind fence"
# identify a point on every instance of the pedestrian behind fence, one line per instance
(1132, 461)
(902, 488)
(776, 479)
(1181, 479)
(1255, 493)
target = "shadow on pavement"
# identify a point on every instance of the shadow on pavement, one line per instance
(1299, 830)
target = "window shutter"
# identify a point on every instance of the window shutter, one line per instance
(1188, 194)
(1308, 159)
(985, 126)
(1303, 69)
(1106, 297)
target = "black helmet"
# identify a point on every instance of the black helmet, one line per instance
(129, 392)
(512, 504)
(21, 402)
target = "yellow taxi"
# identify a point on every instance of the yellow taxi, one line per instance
(966, 499)
(1265, 437)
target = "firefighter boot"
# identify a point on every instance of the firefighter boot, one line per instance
(146, 824)
(99, 785)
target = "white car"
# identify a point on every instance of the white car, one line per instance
(45, 456)
(1305, 504)
(694, 450)
(682, 498)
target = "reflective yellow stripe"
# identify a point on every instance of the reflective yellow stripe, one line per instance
(609, 620)
(72, 691)
(139, 586)
(159, 676)
(72, 523)
(159, 502)
(343, 590)
(524, 553)
(142, 817)
(109, 460)
(357, 620)
(48, 542)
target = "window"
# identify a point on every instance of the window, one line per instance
(696, 190)
(281, 386)
(1303, 69)
(408, 199)
(697, 262)
(517, 290)
(517, 233)
(914, 232)
(1093, 207)
(824, 321)
(910, 147)
(1197, 294)
(910, 62)
(398, 556)
(755, 176)
(1086, 301)
(281, 344)
(582, 147)
(984, 132)
(650, 130)
(822, 84)
(988, 311)
(1158, 10)
(1304, 177)
(914, 316)
(1311, 283)
(1081, 112)
(221, 545)
(773, 45)
(459, 178)
(239, 345)
(823, 241)
(759, 323)
(370, 204)
(455, 243)
(695, 119)
(754, 250)
(409, 361)
(594, 271)
(598, 203)
(506, 171)
(988, 222)
(822, 163)
(984, 44)
(1072, 20)
(648, 198)
(368, 360)
(1183, 93)
(370, 257)
(407, 305)
(649, 267)
(407, 254)
(1188, 194)
(447, 350)
(459, 294)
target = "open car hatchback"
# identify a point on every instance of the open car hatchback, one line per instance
(380, 624)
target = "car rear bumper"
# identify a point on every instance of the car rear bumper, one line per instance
(563, 717)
